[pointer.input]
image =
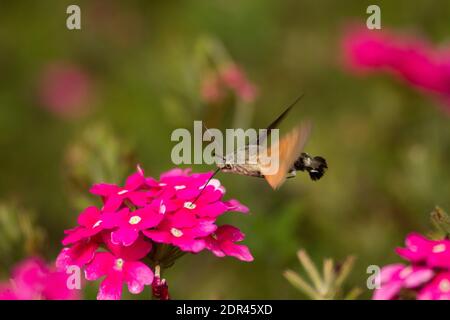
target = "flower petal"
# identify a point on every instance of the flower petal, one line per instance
(111, 287)
(418, 277)
(101, 265)
(79, 254)
(388, 291)
(124, 236)
(137, 275)
(238, 251)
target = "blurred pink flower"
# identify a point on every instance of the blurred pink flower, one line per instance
(430, 264)
(230, 77)
(438, 289)
(179, 211)
(32, 279)
(409, 59)
(65, 89)
(395, 277)
(234, 77)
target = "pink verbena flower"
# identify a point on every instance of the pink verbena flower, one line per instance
(130, 223)
(426, 276)
(194, 208)
(412, 60)
(182, 230)
(119, 266)
(438, 289)
(90, 224)
(222, 243)
(32, 279)
(234, 77)
(158, 220)
(398, 276)
(422, 250)
(79, 254)
(135, 190)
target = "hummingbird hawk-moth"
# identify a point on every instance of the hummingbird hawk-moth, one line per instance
(291, 157)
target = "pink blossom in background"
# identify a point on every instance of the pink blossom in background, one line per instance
(397, 276)
(32, 279)
(409, 59)
(235, 79)
(228, 78)
(438, 289)
(65, 90)
(427, 276)
(179, 211)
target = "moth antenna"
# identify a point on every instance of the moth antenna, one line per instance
(207, 131)
(206, 184)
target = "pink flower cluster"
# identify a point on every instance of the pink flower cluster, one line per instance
(409, 59)
(32, 279)
(113, 241)
(230, 77)
(427, 276)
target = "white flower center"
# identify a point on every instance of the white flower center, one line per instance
(180, 187)
(439, 248)
(135, 220)
(122, 192)
(444, 285)
(176, 232)
(99, 222)
(162, 184)
(189, 205)
(118, 264)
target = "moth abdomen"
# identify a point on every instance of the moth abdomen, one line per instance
(315, 166)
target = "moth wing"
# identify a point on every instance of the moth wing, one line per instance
(289, 149)
(275, 123)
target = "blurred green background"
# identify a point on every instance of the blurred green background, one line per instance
(141, 66)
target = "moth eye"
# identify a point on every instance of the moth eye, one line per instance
(228, 166)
